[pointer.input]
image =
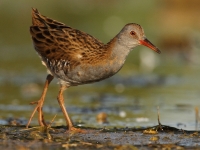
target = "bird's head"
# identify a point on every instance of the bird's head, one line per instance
(133, 35)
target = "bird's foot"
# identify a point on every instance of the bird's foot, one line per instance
(38, 108)
(76, 130)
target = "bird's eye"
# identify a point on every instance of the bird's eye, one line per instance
(132, 33)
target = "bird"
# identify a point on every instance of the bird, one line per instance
(76, 58)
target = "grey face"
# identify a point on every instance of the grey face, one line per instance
(133, 35)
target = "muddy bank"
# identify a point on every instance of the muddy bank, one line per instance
(93, 138)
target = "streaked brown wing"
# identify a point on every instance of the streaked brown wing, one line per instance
(59, 44)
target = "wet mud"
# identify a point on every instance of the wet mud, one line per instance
(165, 137)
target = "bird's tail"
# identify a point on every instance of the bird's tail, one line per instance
(42, 21)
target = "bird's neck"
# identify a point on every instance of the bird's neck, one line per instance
(117, 54)
(118, 51)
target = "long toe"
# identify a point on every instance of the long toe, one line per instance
(76, 130)
(38, 108)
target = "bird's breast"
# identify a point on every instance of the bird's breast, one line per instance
(91, 73)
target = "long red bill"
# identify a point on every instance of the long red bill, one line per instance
(147, 43)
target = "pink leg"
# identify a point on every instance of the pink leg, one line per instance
(62, 106)
(40, 103)
(60, 98)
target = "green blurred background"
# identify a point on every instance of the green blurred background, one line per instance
(130, 98)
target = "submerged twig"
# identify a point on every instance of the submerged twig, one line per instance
(196, 118)
(159, 124)
(158, 115)
(49, 125)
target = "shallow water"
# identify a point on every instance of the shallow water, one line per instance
(129, 99)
